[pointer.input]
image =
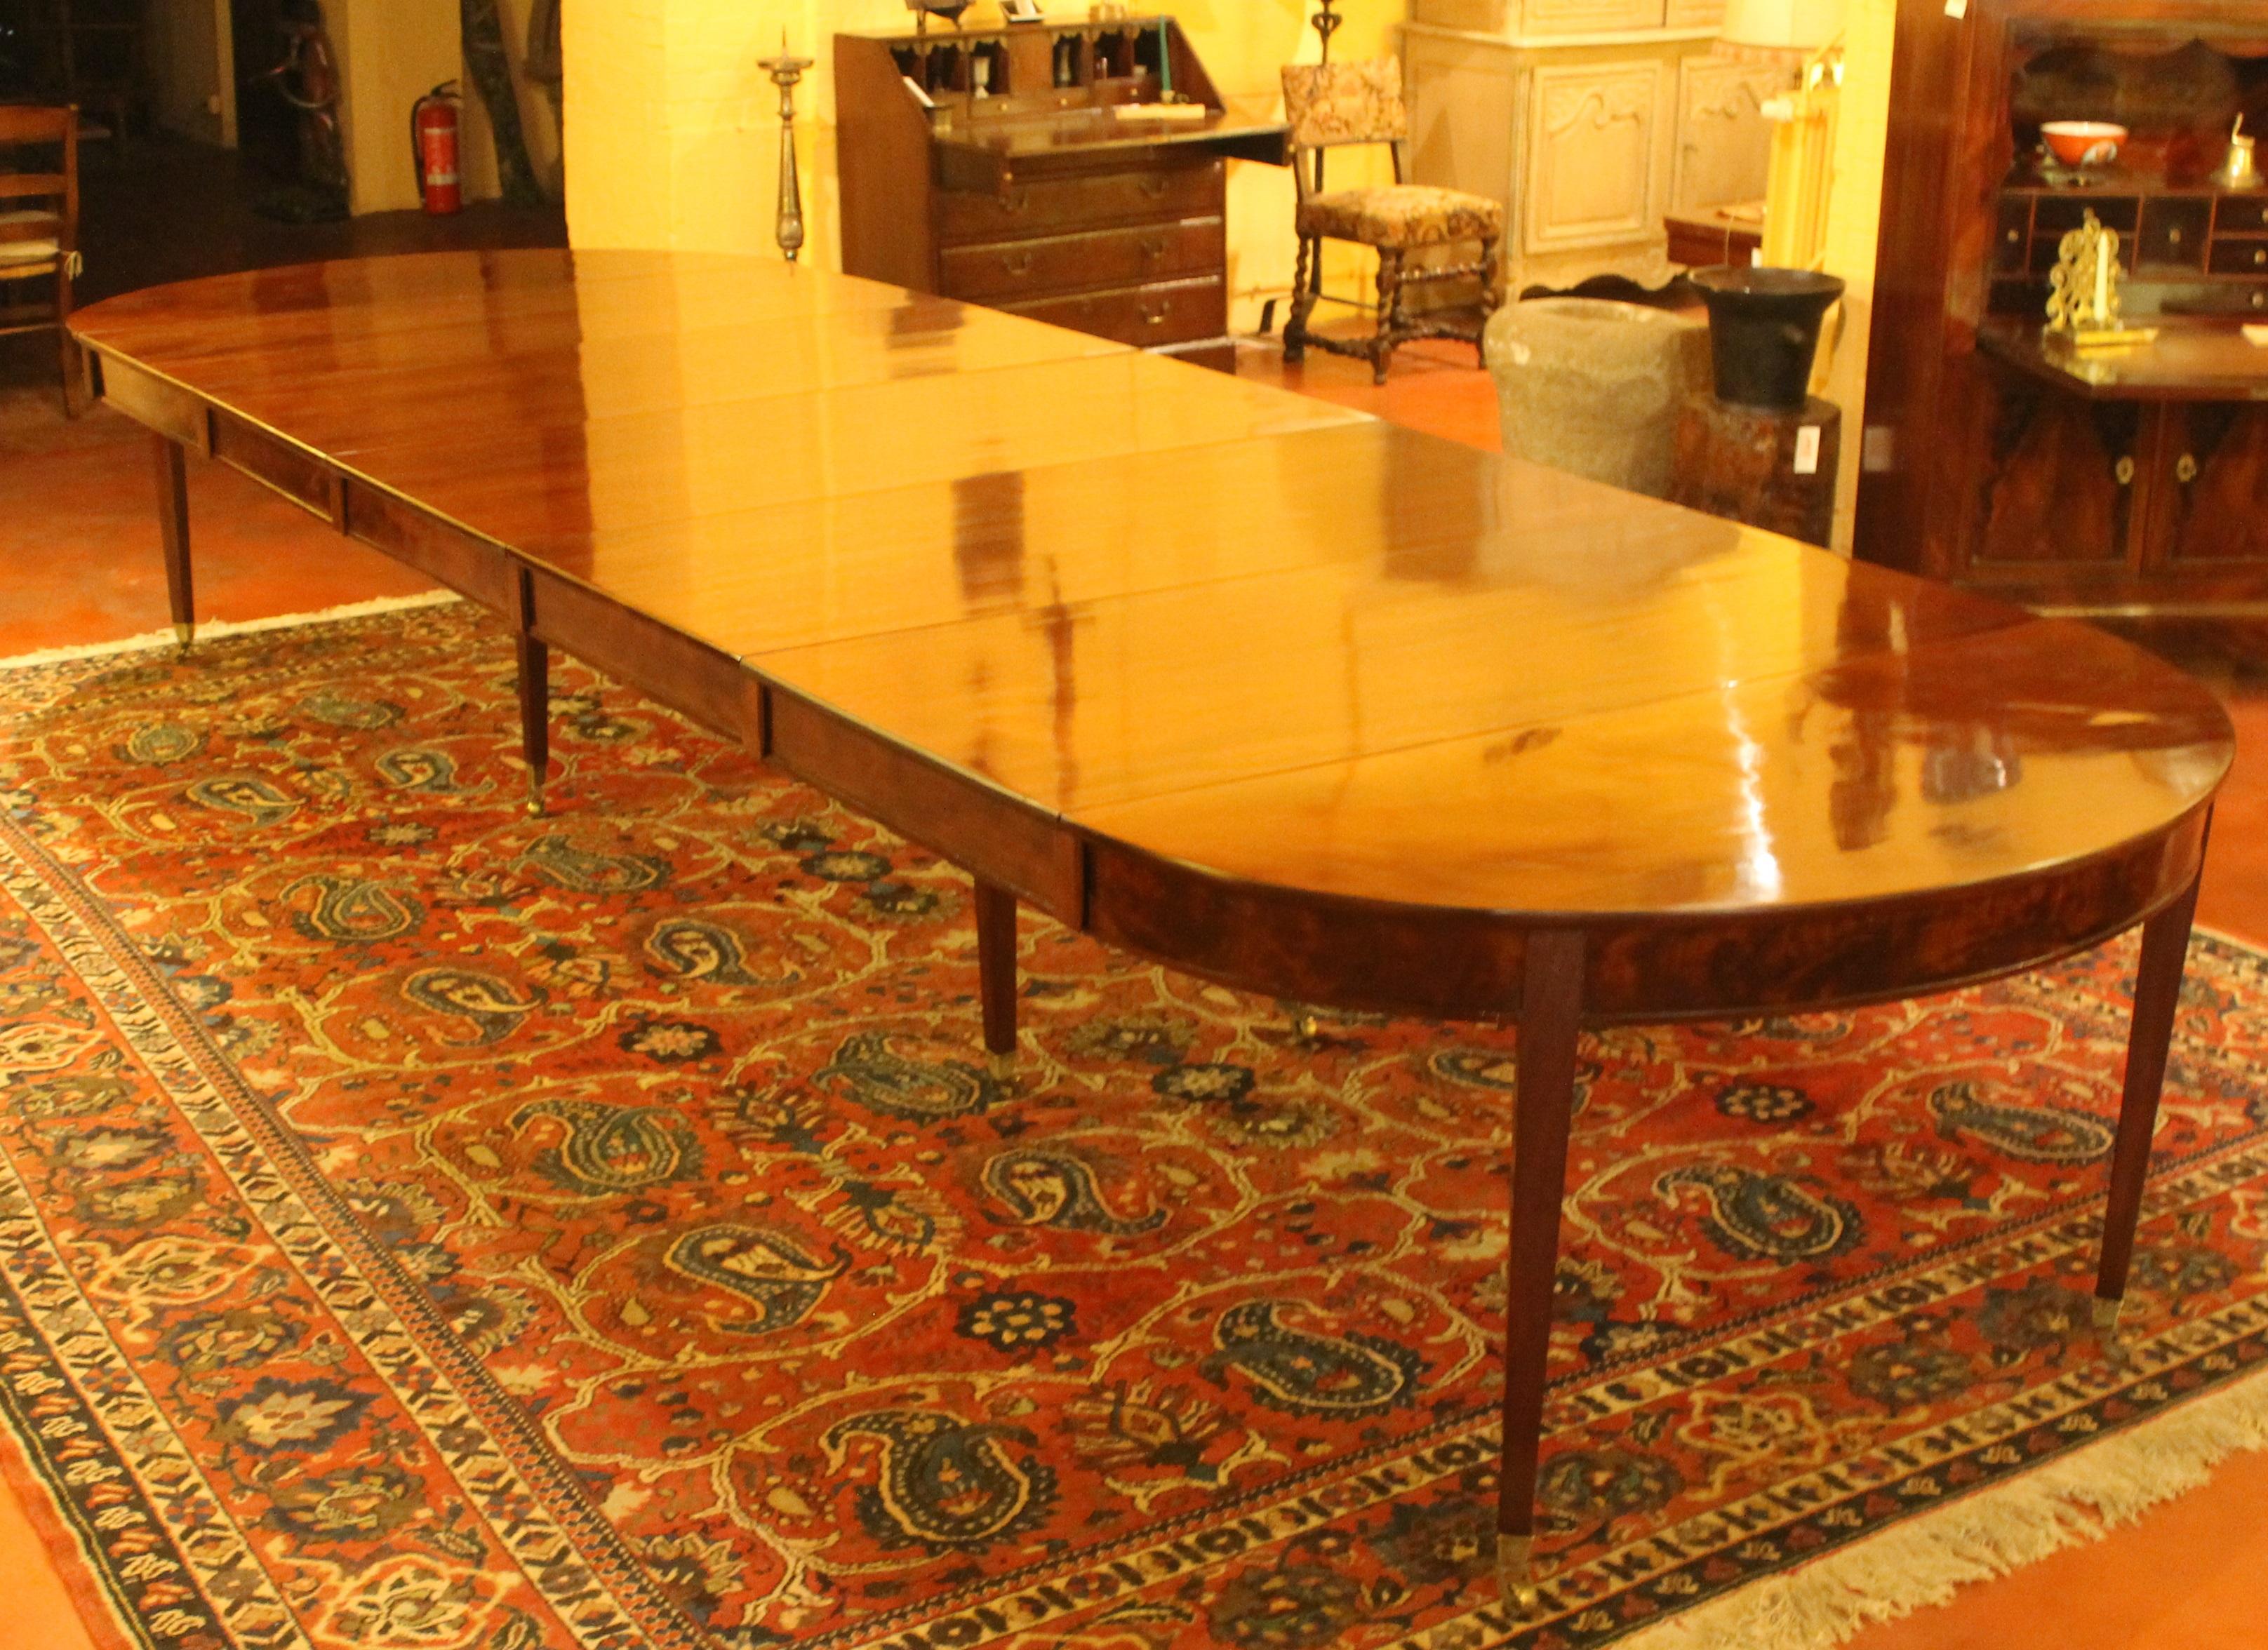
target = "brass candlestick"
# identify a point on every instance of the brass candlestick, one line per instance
(786, 71)
(1326, 24)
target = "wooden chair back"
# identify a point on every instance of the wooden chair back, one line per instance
(1344, 106)
(39, 177)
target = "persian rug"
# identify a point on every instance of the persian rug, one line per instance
(426, 1226)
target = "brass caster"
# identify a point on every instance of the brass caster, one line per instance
(1308, 1026)
(1003, 1066)
(535, 807)
(1515, 1574)
(2106, 1316)
(185, 635)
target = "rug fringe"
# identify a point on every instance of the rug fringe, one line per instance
(214, 629)
(1923, 1561)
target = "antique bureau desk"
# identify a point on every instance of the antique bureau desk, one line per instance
(2130, 481)
(1074, 175)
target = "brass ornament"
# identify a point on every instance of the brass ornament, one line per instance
(2085, 290)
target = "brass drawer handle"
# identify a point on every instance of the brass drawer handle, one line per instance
(2125, 470)
(1153, 249)
(1154, 188)
(2186, 468)
(1015, 201)
(2174, 236)
(1157, 316)
(1016, 263)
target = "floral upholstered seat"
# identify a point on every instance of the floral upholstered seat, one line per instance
(1338, 106)
(1401, 214)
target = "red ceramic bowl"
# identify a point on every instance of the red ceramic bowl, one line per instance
(2084, 143)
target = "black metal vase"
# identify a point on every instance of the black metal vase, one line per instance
(1763, 331)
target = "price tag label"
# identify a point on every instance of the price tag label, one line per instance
(1806, 451)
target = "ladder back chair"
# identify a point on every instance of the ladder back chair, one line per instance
(1350, 104)
(39, 228)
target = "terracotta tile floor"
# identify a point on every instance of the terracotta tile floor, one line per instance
(78, 564)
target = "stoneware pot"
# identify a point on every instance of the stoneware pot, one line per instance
(1593, 386)
(1763, 331)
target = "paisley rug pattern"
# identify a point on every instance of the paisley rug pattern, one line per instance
(423, 1225)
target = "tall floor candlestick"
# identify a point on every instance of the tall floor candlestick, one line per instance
(786, 71)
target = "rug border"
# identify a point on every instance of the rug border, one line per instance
(1930, 1560)
(69, 1562)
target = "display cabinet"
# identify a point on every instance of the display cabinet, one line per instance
(1590, 120)
(1996, 455)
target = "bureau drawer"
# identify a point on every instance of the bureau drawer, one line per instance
(1100, 258)
(1053, 206)
(2173, 233)
(2240, 257)
(2248, 215)
(1164, 312)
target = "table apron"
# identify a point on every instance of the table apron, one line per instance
(1439, 962)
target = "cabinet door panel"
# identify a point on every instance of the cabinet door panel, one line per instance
(2055, 480)
(1724, 142)
(2216, 485)
(1591, 148)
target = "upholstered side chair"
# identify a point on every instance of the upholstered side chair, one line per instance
(1351, 104)
(38, 229)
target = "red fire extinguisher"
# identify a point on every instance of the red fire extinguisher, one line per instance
(433, 139)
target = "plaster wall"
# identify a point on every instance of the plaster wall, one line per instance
(675, 136)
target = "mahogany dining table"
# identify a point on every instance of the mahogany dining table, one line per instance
(1265, 689)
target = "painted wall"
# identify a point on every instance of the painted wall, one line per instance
(675, 133)
(392, 53)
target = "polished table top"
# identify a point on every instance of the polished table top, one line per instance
(1232, 626)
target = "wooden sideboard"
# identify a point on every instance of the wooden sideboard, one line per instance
(1031, 169)
(2124, 482)
(1591, 119)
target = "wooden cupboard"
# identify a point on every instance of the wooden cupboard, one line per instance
(2131, 483)
(1590, 120)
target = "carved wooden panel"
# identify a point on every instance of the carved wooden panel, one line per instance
(2214, 470)
(2057, 479)
(1592, 142)
(1724, 142)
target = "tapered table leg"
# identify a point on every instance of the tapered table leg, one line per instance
(171, 471)
(534, 697)
(2157, 994)
(1550, 1017)
(995, 966)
